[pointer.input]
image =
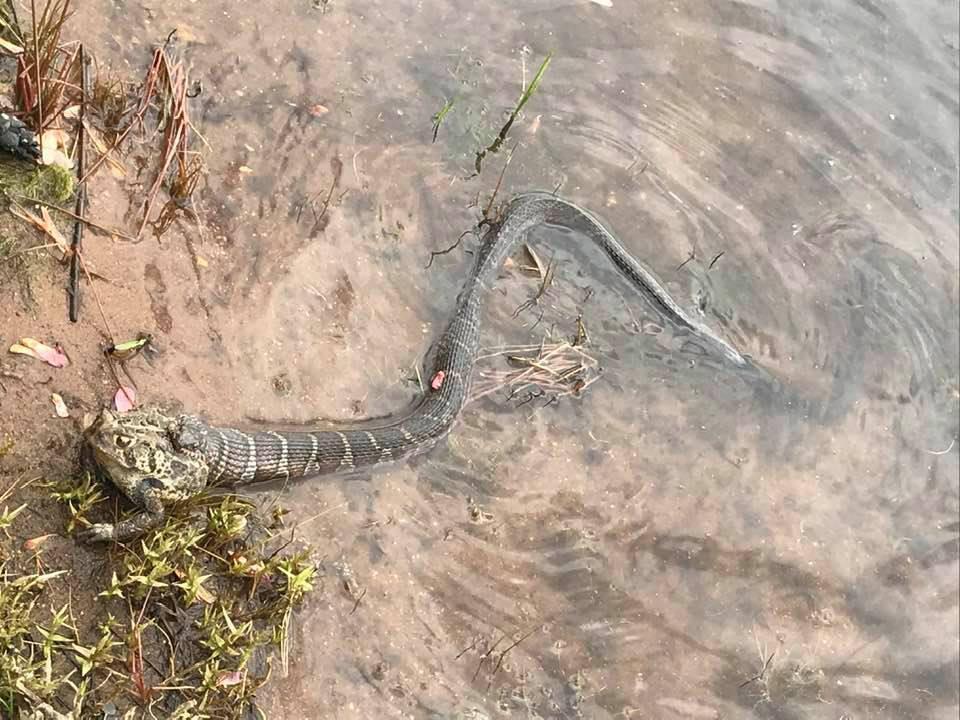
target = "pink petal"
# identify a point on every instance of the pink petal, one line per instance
(125, 399)
(437, 381)
(51, 355)
(228, 679)
(34, 543)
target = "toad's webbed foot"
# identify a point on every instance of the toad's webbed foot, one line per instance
(134, 526)
(122, 531)
(98, 533)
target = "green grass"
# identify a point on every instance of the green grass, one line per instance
(187, 616)
(525, 96)
(31, 651)
(440, 115)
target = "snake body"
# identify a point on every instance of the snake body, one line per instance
(238, 457)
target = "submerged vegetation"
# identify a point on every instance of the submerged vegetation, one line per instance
(464, 117)
(440, 116)
(525, 96)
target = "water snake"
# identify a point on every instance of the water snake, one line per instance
(155, 458)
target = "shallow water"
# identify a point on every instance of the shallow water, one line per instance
(687, 540)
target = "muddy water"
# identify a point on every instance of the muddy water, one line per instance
(686, 541)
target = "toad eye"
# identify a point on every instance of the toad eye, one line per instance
(123, 442)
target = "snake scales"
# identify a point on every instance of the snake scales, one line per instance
(240, 457)
(156, 459)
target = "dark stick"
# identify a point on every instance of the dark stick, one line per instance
(763, 671)
(487, 210)
(471, 646)
(337, 171)
(73, 287)
(512, 646)
(434, 253)
(36, 67)
(715, 258)
(357, 603)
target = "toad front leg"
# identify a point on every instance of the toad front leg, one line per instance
(151, 516)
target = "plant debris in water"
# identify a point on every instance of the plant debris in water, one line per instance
(439, 116)
(53, 95)
(554, 367)
(179, 167)
(125, 399)
(110, 101)
(190, 615)
(524, 99)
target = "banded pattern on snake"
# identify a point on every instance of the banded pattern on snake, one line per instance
(235, 456)
(156, 459)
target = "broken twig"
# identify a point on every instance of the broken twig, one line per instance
(435, 253)
(73, 285)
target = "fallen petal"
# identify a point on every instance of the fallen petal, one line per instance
(125, 400)
(51, 355)
(228, 679)
(34, 543)
(53, 149)
(59, 405)
(437, 381)
(21, 350)
(54, 356)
